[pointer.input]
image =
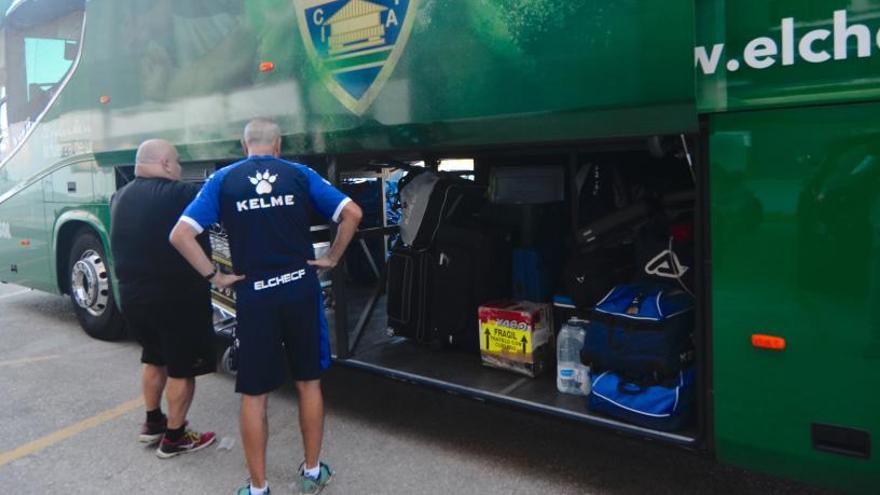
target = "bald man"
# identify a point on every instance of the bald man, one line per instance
(266, 204)
(165, 303)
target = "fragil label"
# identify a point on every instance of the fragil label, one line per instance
(506, 337)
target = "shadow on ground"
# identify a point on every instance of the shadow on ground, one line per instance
(544, 446)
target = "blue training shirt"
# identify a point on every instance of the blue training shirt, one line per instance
(265, 205)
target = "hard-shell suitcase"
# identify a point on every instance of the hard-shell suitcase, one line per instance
(471, 266)
(409, 290)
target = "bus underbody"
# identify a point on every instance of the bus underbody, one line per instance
(356, 303)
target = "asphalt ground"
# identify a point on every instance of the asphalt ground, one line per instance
(70, 411)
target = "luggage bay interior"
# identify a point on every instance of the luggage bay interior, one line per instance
(360, 290)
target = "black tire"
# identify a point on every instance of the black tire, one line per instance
(91, 289)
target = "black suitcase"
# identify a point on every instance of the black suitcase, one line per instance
(409, 287)
(471, 266)
(431, 200)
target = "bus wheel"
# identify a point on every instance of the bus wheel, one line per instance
(91, 290)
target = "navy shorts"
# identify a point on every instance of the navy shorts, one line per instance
(281, 327)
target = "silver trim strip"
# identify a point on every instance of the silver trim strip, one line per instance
(520, 402)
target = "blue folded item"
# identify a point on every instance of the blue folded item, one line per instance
(642, 330)
(666, 407)
(534, 272)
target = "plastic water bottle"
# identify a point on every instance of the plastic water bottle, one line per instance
(572, 377)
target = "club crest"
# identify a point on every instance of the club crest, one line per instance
(355, 44)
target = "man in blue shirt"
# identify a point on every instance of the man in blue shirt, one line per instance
(265, 205)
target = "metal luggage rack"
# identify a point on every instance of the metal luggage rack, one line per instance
(223, 299)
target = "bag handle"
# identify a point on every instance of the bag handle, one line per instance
(629, 388)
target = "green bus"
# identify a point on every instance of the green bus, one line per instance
(775, 103)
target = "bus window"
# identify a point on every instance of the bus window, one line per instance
(42, 40)
(46, 64)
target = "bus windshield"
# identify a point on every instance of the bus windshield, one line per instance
(41, 43)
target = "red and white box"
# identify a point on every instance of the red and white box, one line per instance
(517, 336)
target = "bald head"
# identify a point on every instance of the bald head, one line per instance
(262, 137)
(157, 158)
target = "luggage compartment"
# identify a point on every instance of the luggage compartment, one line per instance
(391, 327)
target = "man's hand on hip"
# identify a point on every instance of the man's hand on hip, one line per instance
(323, 264)
(226, 280)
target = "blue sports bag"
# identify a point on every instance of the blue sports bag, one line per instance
(642, 331)
(666, 407)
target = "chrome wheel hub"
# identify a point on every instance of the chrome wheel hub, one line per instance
(90, 283)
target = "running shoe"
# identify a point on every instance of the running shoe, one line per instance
(311, 486)
(152, 431)
(246, 490)
(191, 441)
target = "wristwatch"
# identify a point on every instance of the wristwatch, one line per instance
(211, 275)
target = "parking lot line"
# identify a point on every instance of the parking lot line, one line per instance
(29, 360)
(65, 433)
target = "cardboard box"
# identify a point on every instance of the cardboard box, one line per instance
(517, 336)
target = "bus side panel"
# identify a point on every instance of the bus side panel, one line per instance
(795, 198)
(24, 240)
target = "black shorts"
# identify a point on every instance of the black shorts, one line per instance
(273, 328)
(178, 335)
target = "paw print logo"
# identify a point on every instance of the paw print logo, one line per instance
(263, 181)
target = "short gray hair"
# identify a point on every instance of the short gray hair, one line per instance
(261, 132)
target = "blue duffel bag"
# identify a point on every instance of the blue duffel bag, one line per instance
(668, 406)
(642, 330)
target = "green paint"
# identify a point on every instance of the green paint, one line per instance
(796, 253)
(806, 56)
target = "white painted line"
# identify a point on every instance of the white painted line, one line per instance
(513, 386)
(14, 294)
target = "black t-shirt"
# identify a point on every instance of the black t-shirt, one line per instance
(148, 267)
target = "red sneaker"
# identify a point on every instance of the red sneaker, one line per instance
(191, 441)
